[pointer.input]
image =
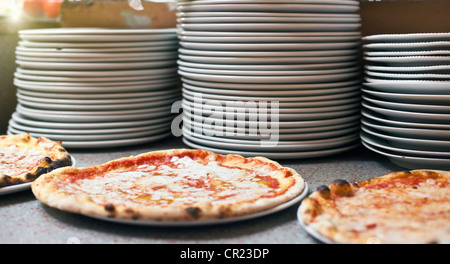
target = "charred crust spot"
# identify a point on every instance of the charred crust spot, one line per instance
(341, 183)
(341, 188)
(109, 208)
(194, 212)
(5, 180)
(59, 164)
(324, 191)
(134, 215)
(30, 176)
(224, 212)
(48, 160)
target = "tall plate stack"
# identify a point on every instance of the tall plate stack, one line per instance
(406, 99)
(268, 77)
(93, 87)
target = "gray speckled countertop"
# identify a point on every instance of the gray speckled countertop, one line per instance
(23, 219)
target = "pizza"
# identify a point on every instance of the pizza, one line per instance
(23, 158)
(398, 208)
(171, 185)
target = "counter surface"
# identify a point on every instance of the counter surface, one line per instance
(26, 220)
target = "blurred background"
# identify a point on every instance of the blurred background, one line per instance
(378, 17)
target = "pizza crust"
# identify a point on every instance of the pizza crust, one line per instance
(53, 156)
(323, 210)
(47, 191)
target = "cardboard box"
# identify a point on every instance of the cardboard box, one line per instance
(118, 14)
(404, 16)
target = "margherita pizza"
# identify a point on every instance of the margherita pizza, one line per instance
(400, 207)
(23, 158)
(171, 185)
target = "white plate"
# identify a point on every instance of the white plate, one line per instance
(412, 46)
(96, 31)
(77, 98)
(423, 108)
(276, 154)
(264, 7)
(98, 107)
(270, 79)
(383, 144)
(58, 116)
(112, 143)
(409, 86)
(409, 76)
(97, 54)
(268, 67)
(410, 116)
(95, 38)
(154, 86)
(256, 141)
(284, 134)
(281, 116)
(412, 37)
(323, 101)
(267, 19)
(94, 113)
(25, 186)
(265, 73)
(323, 53)
(299, 108)
(395, 123)
(246, 111)
(410, 97)
(80, 132)
(296, 99)
(62, 46)
(316, 2)
(89, 101)
(251, 37)
(436, 134)
(275, 209)
(419, 69)
(232, 36)
(411, 60)
(226, 59)
(91, 84)
(325, 36)
(145, 59)
(102, 126)
(281, 124)
(411, 162)
(271, 27)
(307, 145)
(150, 47)
(95, 66)
(270, 87)
(407, 53)
(100, 73)
(97, 80)
(410, 143)
(268, 46)
(294, 93)
(263, 14)
(99, 137)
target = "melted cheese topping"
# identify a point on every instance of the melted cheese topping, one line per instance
(397, 213)
(14, 161)
(183, 181)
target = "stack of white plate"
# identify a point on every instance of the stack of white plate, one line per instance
(93, 87)
(406, 99)
(235, 55)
